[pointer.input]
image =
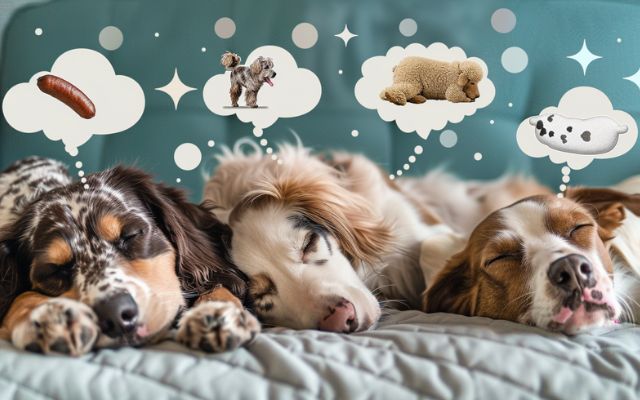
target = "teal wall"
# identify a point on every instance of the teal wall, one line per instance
(547, 30)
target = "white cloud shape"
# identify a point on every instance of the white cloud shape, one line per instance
(612, 133)
(295, 91)
(118, 99)
(421, 118)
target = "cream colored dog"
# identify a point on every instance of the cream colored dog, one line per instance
(416, 79)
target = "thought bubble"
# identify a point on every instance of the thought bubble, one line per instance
(583, 127)
(295, 91)
(118, 100)
(420, 118)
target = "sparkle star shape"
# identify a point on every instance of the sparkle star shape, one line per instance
(635, 78)
(584, 57)
(345, 35)
(175, 88)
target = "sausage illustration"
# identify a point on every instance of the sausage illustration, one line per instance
(67, 93)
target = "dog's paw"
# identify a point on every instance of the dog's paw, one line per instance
(59, 325)
(216, 326)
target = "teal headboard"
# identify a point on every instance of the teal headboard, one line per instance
(547, 30)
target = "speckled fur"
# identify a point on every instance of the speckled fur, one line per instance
(250, 78)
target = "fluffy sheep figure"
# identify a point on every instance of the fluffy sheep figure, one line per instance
(417, 79)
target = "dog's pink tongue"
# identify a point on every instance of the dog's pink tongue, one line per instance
(268, 81)
(142, 331)
(564, 315)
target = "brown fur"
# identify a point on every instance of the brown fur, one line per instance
(109, 227)
(417, 79)
(219, 294)
(196, 261)
(361, 234)
(466, 287)
(58, 252)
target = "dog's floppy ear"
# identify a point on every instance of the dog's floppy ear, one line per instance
(607, 206)
(12, 280)
(195, 233)
(363, 236)
(452, 290)
(256, 66)
(469, 71)
(462, 79)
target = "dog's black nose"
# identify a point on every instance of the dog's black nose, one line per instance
(571, 272)
(274, 74)
(117, 315)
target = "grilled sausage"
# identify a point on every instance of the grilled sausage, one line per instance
(67, 93)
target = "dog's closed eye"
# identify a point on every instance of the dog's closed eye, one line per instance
(313, 249)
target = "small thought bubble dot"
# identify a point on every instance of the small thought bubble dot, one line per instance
(257, 132)
(492, 122)
(412, 159)
(406, 167)
(225, 28)
(38, 31)
(399, 172)
(178, 180)
(274, 157)
(566, 179)
(566, 170)
(203, 49)
(619, 40)
(81, 173)
(263, 142)
(304, 35)
(78, 164)
(355, 133)
(418, 149)
(392, 177)
(477, 156)
(110, 38)
(339, 72)
(563, 187)
(503, 20)
(448, 138)
(83, 180)
(211, 143)
(86, 186)
(408, 27)
(157, 34)
(510, 104)
(514, 60)
(269, 150)
(187, 156)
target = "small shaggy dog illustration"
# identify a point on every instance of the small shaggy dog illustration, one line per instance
(416, 79)
(251, 78)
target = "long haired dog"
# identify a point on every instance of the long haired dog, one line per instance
(112, 264)
(564, 264)
(319, 237)
(251, 78)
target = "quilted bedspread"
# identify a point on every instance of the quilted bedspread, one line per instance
(410, 355)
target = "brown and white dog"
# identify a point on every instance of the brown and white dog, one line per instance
(112, 262)
(564, 264)
(321, 238)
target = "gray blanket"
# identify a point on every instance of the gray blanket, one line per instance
(411, 355)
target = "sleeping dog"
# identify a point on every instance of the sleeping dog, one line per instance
(112, 262)
(563, 264)
(319, 237)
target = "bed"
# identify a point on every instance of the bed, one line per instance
(411, 355)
